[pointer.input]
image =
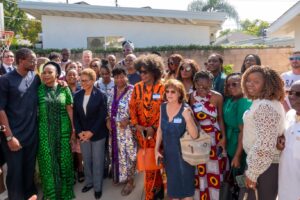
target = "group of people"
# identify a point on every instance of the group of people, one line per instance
(92, 117)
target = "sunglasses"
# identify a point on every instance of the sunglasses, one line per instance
(294, 93)
(170, 91)
(95, 66)
(170, 63)
(296, 58)
(234, 84)
(143, 72)
(187, 69)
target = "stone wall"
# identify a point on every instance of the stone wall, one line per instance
(276, 58)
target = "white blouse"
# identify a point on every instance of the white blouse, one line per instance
(289, 173)
(263, 123)
(86, 99)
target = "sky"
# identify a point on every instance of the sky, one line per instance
(267, 10)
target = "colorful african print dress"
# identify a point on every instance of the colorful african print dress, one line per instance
(123, 147)
(54, 153)
(208, 177)
(145, 111)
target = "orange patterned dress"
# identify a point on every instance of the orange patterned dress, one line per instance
(144, 109)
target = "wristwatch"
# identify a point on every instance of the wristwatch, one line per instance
(9, 138)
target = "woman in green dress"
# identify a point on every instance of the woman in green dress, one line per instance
(55, 128)
(233, 110)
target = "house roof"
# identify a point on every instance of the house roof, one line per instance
(233, 37)
(286, 23)
(212, 19)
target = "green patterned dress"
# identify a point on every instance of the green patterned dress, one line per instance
(54, 153)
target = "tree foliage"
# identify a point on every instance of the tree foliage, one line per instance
(214, 6)
(16, 20)
(255, 27)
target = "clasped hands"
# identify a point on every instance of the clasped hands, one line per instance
(149, 130)
(85, 136)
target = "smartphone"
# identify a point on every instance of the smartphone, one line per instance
(240, 180)
(220, 152)
(144, 133)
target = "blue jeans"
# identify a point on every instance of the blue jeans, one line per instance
(93, 163)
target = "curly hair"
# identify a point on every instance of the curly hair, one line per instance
(257, 60)
(152, 64)
(203, 75)
(226, 92)
(273, 88)
(179, 87)
(195, 68)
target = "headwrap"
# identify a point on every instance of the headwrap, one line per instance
(127, 44)
(56, 65)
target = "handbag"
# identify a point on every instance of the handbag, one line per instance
(146, 160)
(195, 151)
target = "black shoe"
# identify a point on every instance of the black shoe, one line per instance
(86, 189)
(159, 194)
(98, 195)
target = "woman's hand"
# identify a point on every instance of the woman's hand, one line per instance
(73, 137)
(108, 125)
(158, 156)
(280, 143)
(139, 128)
(235, 163)
(150, 132)
(124, 123)
(250, 184)
(222, 143)
(87, 135)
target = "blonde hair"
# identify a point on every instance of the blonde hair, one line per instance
(90, 73)
(178, 86)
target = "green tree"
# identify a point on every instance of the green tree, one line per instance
(214, 6)
(33, 28)
(16, 20)
(255, 27)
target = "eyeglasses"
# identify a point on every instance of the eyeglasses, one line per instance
(170, 63)
(234, 84)
(84, 81)
(187, 68)
(170, 91)
(8, 56)
(143, 72)
(294, 93)
(296, 58)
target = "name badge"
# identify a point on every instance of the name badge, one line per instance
(177, 120)
(156, 96)
(197, 108)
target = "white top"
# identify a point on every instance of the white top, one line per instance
(86, 99)
(289, 78)
(105, 88)
(289, 173)
(263, 123)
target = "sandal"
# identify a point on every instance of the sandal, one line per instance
(127, 189)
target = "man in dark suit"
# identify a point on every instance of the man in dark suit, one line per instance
(8, 60)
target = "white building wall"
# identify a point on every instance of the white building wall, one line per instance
(297, 37)
(61, 32)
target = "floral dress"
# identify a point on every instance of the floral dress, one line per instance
(123, 147)
(208, 176)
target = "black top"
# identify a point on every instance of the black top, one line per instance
(95, 118)
(134, 78)
(19, 100)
